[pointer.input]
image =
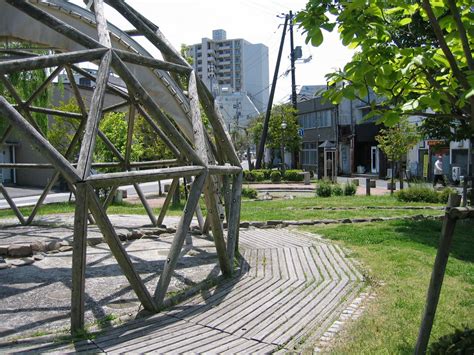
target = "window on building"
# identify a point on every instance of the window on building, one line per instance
(324, 118)
(308, 120)
(309, 154)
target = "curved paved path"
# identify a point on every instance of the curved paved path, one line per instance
(291, 288)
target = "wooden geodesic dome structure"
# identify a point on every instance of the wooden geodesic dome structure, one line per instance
(154, 90)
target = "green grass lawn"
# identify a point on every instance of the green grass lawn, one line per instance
(398, 257)
(68, 207)
(296, 209)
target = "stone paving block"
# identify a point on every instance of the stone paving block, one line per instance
(19, 250)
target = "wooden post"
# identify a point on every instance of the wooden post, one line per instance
(367, 187)
(145, 99)
(148, 209)
(95, 114)
(437, 277)
(48, 61)
(12, 204)
(128, 148)
(234, 217)
(38, 141)
(464, 192)
(110, 197)
(79, 260)
(210, 193)
(178, 240)
(118, 251)
(166, 204)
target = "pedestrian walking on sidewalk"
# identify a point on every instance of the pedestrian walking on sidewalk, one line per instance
(438, 172)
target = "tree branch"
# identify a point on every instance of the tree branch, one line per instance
(462, 33)
(443, 45)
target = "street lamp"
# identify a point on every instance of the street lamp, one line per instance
(283, 127)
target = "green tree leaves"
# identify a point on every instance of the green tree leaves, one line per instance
(416, 55)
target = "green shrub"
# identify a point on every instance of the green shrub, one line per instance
(418, 193)
(266, 173)
(275, 176)
(259, 175)
(324, 189)
(249, 192)
(337, 190)
(443, 195)
(249, 176)
(350, 189)
(293, 175)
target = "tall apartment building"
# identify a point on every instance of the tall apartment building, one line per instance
(232, 68)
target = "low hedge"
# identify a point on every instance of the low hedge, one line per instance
(273, 175)
(293, 175)
(326, 188)
(424, 193)
(249, 192)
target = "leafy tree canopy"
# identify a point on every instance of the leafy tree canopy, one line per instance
(395, 141)
(276, 134)
(24, 84)
(416, 54)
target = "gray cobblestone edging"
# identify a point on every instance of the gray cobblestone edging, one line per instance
(284, 223)
(20, 254)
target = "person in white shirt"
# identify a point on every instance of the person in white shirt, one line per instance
(438, 172)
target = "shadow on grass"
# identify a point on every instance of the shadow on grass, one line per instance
(405, 232)
(429, 233)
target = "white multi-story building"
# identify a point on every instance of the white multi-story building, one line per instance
(235, 69)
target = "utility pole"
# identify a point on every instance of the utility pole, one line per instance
(293, 79)
(292, 58)
(261, 146)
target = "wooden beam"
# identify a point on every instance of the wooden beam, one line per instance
(6, 134)
(130, 177)
(38, 141)
(145, 99)
(148, 209)
(166, 203)
(53, 112)
(210, 194)
(51, 60)
(118, 251)
(224, 170)
(95, 114)
(160, 133)
(110, 197)
(144, 164)
(233, 224)
(151, 62)
(115, 107)
(461, 212)
(178, 240)
(54, 23)
(43, 86)
(149, 30)
(12, 204)
(434, 289)
(79, 260)
(21, 105)
(217, 123)
(128, 146)
(77, 94)
(97, 101)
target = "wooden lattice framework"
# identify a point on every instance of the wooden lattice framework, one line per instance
(153, 90)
